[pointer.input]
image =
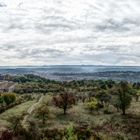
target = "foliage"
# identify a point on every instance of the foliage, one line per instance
(92, 104)
(70, 133)
(6, 135)
(1, 99)
(124, 98)
(93, 94)
(104, 98)
(37, 88)
(136, 94)
(64, 101)
(9, 98)
(42, 112)
(32, 133)
(16, 123)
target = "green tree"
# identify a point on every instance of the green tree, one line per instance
(124, 98)
(104, 98)
(9, 98)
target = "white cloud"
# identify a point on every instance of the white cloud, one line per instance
(41, 32)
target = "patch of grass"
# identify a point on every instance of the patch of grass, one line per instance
(134, 108)
(15, 111)
(109, 126)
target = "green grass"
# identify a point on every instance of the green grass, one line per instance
(15, 111)
(79, 115)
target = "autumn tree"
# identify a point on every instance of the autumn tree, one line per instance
(64, 101)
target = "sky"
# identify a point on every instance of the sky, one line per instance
(65, 32)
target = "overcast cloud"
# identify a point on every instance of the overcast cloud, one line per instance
(44, 32)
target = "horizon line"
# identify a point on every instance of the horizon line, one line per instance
(69, 65)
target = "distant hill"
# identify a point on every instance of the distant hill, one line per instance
(77, 72)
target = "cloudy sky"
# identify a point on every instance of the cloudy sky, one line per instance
(44, 32)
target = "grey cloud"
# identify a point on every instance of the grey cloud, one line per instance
(70, 31)
(2, 4)
(39, 53)
(112, 25)
(52, 23)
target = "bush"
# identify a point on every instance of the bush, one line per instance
(6, 135)
(70, 133)
(9, 98)
(42, 112)
(92, 104)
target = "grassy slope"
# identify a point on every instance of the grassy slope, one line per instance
(78, 114)
(15, 111)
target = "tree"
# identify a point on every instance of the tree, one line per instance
(64, 101)
(43, 112)
(124, 98)
(104, 98)
(9, 98)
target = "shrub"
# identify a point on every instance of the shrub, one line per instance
(16, 124)
(70, 133)
(92, 104)
(104, 98)
(6, 135)
(9, 98)
(43, 112)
